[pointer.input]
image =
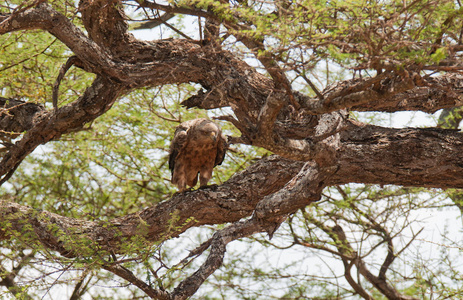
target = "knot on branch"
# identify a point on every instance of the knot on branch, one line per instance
(212, 98)
(17, 116)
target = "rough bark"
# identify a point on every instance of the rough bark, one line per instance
(229, 202)
(361, 158)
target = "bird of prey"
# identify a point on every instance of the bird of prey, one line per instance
(197, 147)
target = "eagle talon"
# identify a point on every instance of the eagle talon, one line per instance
(212, 187)
(182, 191)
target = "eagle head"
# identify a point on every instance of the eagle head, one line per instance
(209, 131)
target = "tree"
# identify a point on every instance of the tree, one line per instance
(103, 103)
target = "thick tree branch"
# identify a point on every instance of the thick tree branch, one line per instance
(368, 154)
(106, 24)
(215, 258)
(363, 92)
(270, 212)
(96, 100)
(432, 94)
(45, 17)
(410, 157)
(240, 196)
(152, 68)
(268, 115)
(256, 46)
(193, 63)
(231, 201)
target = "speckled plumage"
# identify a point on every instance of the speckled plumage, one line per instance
(197, 147)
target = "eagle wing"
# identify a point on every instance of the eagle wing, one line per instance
(221, 149)
(178, 143)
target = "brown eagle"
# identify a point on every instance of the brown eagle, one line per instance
(197, 147)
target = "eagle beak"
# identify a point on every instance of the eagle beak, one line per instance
(213, 136)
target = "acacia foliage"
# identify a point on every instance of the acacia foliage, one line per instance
(93, 205)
